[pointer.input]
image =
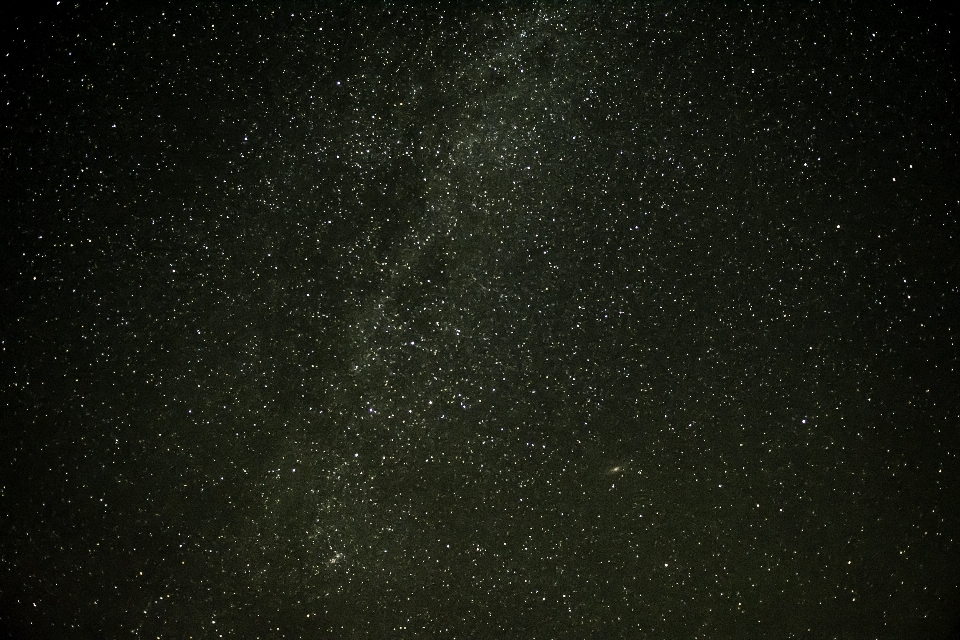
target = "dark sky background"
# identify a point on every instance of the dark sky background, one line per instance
(503, 321)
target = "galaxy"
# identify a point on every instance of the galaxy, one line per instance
(498, 320)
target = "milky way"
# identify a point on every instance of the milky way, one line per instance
(542, 321)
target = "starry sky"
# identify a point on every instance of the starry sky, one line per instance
(504, 320)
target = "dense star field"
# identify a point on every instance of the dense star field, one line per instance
(501, 321)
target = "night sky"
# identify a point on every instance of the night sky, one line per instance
(500, 321)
